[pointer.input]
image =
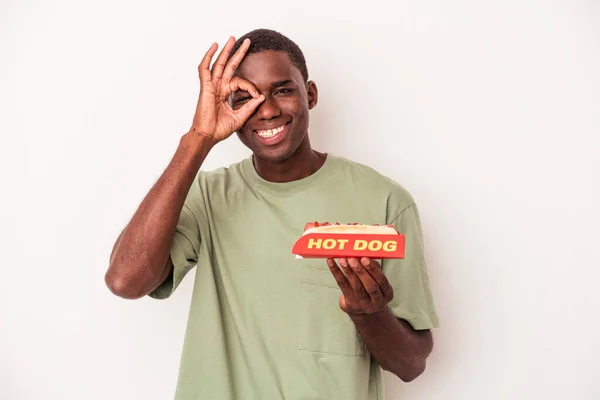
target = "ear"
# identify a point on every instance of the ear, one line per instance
(313, 94)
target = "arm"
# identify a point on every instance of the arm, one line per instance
(392, 342)
(140, 260)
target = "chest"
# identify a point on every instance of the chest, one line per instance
(252, 237)
(266, 288)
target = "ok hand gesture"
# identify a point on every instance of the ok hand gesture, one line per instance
(214, 118)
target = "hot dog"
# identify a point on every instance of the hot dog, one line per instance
(354, 228)
(321, 240)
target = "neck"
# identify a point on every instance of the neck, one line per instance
(304, 162)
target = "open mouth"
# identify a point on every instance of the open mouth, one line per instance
(271, 133)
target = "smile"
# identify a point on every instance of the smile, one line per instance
(269, 133)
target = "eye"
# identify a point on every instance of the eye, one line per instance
(239, 99)
(283, 91)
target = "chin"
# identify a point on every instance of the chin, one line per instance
(275, 155)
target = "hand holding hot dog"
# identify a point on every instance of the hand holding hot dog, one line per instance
(365, 288)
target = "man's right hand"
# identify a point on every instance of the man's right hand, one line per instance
(214, 118)
(140, 260)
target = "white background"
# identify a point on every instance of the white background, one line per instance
(488, 112)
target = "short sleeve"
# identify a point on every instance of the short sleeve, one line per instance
(413, 300)
(184, 253)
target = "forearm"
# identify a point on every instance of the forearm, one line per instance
(141, 253)
(394, 344)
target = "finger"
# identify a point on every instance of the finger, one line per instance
(340, 278)
(219, 65)
(235, 61)
(357, 287)
(204, 67)
(238, 83)
(369, 284)
(374, 269)
(248, 109)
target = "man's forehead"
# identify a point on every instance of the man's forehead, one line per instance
(268, 67)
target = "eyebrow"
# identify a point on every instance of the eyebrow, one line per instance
(274, 84)
(280, 83)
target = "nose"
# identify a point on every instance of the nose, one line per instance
(268, 109)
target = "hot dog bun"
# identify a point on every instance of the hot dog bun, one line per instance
(315, 227)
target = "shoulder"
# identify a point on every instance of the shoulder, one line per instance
(215, 190)
(380, 189)
(376, 182)
(209, 179)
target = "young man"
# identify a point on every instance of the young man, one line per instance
(262, 324)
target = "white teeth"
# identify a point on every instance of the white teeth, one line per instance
(270, 133)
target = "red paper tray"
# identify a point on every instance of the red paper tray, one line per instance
(338, 245)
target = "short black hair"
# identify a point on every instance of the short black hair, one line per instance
(268, 39)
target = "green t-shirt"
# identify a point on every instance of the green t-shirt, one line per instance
(264, 324)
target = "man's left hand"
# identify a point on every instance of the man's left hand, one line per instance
(365, 288)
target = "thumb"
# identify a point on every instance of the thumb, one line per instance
(247, 109)
(343, 303)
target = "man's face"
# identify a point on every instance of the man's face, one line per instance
(280, 123)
